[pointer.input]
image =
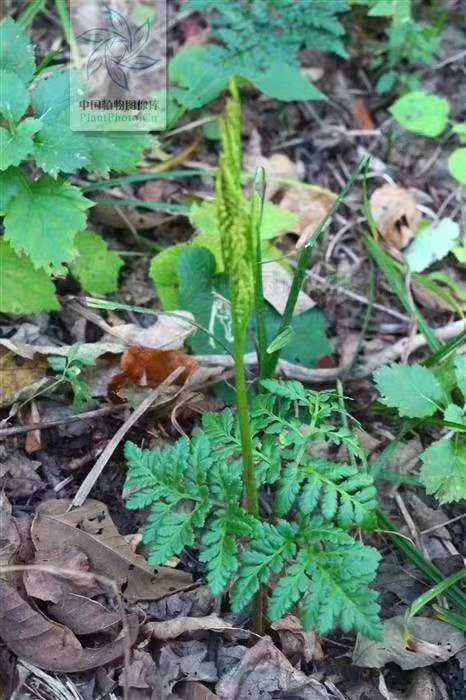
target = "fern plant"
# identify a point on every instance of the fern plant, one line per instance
(260, 41)
(44, 214)
(419, 392)
(302, 545)
(248, 490)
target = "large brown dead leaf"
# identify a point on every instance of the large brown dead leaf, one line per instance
(434, 642)
(48, 645)
(91, 529)
(395, 213)
(19, 377)
(266, 673)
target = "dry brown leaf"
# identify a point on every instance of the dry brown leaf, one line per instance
(48, 645)
(312, 206)
(10, 539)
(19, 477)
(48, 587)
(170, 629)
(434, 642)
(194, 691)
(296, 643)
(265, 672)
(169, 332)
(83, 615)
(90, 529)
(183, 661)
(395, 213)
(19, 378)
(278, 166)
(277, 284)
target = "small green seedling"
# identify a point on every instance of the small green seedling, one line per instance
(418, 392)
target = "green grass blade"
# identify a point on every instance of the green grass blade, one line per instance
(454, 594)
(435, 592)
(146, 177)
(304, 262)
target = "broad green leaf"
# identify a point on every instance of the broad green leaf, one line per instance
(432, 243)
(96, 267)
(454, 414)
(120, 152)
(421, 113)
(443, 470)
(14, 98)
(413, 390)
(457, 165)
(284, 82)
(12, 181)
(164, 273)
(24, 290)
(16, 143)
(60, 149)
(43, 220)
(206, 295)
(203, 72)
(16, 52)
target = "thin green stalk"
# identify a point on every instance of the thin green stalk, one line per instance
(304, 262)
(256, 222)
(65, 17)
(30, 13)
(242, 400)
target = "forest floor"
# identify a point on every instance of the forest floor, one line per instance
(177, 641)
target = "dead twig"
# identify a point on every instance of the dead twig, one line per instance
(44, 425)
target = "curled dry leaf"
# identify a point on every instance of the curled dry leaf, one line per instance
(395, 213)
(277, 282)
(433, 642)
(19, 477)
(295, 642)
(48, 645)
(265, 672)
(170, 629)
(169, 332)
(277, 167)
(91, 530)
(48, 587)
(312, 206)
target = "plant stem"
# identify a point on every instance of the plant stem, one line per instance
(244, 421)
(242, 401)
